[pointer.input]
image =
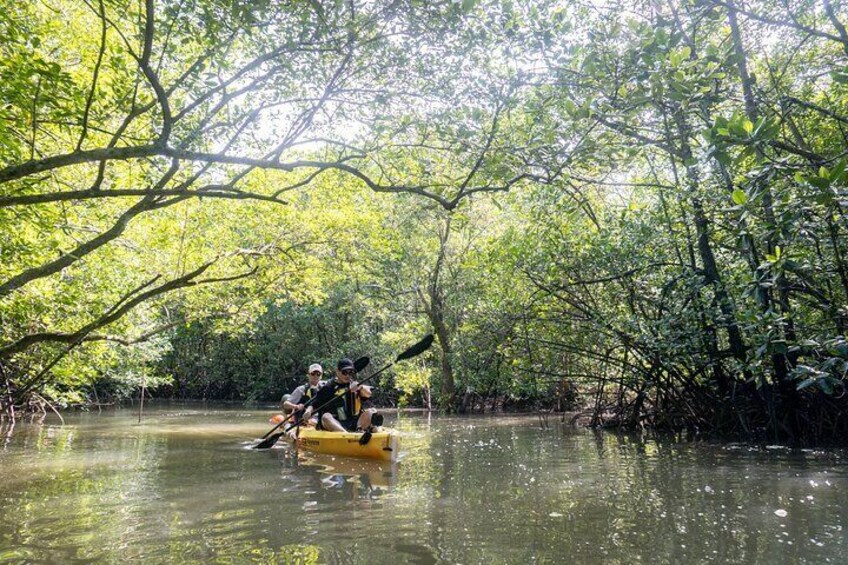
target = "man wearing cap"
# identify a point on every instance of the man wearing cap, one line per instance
(306, 392)
(343, 402)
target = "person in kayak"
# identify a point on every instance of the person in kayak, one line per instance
(295, 401)
(306, 392)
(343, 402)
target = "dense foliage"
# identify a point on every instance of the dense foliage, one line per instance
(640, 201)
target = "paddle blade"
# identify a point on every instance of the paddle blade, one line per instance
(416, 349)
(361, 363)
(268, 442)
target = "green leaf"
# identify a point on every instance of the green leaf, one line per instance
(825, 385)
(806, 383)
(774, 257)
(739, 197)
(838, 170)
(673, 59)
(840, 77)
(818, 182)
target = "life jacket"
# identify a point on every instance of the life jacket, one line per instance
(351, 403)
(309, 392)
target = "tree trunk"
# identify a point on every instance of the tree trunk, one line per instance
(706, 254)
(448, 388)
(434, 306)
(781, 363)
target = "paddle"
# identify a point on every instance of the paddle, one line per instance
(358, 365)
(409, 353)
(361, 363)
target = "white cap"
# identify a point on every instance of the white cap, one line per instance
(315, 367)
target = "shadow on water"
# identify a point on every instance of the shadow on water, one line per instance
(182, 487)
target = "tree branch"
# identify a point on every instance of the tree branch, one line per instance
(34, 166)
(68, 259)
(118, 310)
(779, 23)
(95, 75)
(210, 191)
(815, 107)
(480, 158)
(150, 73)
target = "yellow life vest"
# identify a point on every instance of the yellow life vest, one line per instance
(352, 400)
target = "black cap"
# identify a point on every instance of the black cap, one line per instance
(345, 364)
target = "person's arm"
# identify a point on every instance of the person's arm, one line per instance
(363, 390)
(293, 402)
(323, 396)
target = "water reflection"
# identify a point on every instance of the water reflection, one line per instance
(180, 487)
(372, 475)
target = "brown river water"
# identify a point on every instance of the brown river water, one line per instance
(184, 487)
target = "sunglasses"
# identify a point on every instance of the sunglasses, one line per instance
(316, 373)
(349, 372)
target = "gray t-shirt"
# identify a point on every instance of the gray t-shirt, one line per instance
(297, 394)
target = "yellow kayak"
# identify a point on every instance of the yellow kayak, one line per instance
(384, 444)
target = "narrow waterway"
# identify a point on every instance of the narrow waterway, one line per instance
(184, 487)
